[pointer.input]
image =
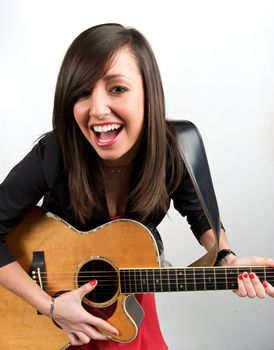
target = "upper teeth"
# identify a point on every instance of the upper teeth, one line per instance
(105, 128)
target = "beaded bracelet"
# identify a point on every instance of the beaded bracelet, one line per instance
(222, 254)
(51, 308)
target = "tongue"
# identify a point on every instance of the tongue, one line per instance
(109, 135)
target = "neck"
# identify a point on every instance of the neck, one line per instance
(155, 280)
(125, 160)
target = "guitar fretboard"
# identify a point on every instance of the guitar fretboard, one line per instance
(160, 280)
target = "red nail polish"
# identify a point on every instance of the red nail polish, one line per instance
(240, 277)
(245, 275)
(93, 283)
(265, 284)
(252, 275)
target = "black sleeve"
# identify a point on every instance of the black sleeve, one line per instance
(25, 185)
(186, 201)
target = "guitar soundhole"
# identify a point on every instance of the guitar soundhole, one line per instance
(107, 278)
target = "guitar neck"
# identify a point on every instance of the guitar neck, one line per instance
(160, 280)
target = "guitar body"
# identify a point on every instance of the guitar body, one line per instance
(68, 254)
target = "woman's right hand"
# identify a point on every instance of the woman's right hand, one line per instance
(80, 325)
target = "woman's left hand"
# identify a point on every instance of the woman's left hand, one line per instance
(248, 282)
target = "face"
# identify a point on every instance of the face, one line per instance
(111, 116)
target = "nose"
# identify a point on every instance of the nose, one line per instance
(99, 103)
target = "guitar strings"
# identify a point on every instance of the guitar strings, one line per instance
(151, 282)
(269, 270)
(149, 278)
(219, 277)
(132, 283)
(210, 279)
(149, 274)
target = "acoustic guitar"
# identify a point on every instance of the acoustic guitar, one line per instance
(121, 255)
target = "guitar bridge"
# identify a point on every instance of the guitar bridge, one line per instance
(38, 270)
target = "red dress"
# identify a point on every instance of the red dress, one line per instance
(149, 335)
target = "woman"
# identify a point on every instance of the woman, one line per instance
(100, 163)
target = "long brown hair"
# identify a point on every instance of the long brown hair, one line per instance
(85, 62)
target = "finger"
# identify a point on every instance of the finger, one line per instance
(269, 289)
(267, 262)
(93, 333)
(82, 337)
(74, 340)
(251, 293)
(101, 324)
(257, 285)
(258, 260)
(254, 260)
(92, 320)
(241, 291)
(87, 288)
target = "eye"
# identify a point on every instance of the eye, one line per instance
(118, 89)
(83, 94)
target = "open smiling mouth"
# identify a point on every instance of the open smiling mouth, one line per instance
(106, 134)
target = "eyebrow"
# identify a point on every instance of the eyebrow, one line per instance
(115, 76)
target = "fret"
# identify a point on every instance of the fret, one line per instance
(185, 280)
(242, 269)
(173, 282)
(129, 281)
(161, 279)
(260, 272)
(177, 284)
(123, 278)
(153, 277)
(150, 280)
(238, 272)
(269, 274)
(135, 282)
(122, 281)
(165, 280)
(220, 278)
(147, 280)
(232, 276)
(225, 273)
(144, 280)
(157, 280)
(168, 279)
(182, 279)
(204, 280)
(199, 279)
(210, 279)
(139, 286)
(189, 279)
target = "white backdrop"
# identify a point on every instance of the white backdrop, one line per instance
(216, 59)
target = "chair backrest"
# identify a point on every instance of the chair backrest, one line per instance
(194, 155)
